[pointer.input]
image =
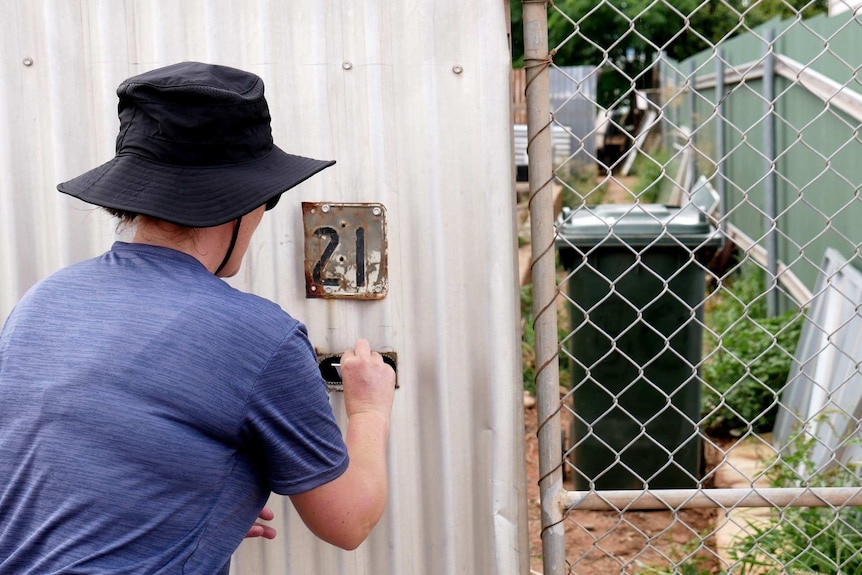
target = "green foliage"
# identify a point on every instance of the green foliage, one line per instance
(751, 361)
(528, 339)
(624, 35)
(580, 187)
(517, 32)
(528, 342)
(797, 540)
(819, 540)
(654, 177)
(684, 560)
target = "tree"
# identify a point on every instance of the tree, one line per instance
(624, 36)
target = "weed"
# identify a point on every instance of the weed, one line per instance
(684, 560)
(821, 540)
(580, 187)
(750, 360)
(528, 342)
(528, 339)
(798, 540)
(654, 181)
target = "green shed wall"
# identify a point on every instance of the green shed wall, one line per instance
(818, 149)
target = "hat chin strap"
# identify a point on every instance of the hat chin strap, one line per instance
(231, 246)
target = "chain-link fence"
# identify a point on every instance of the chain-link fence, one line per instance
(697, 299)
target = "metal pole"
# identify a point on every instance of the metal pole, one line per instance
(692, 102)
(541, 177)
(769, 199)
(658, 499)
(661, 86)
(720, 143)
(691, 143)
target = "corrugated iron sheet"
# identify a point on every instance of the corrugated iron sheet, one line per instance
(411, 99)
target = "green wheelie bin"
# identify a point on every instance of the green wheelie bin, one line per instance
(636, 287)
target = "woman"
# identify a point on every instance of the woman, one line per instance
(148, 409)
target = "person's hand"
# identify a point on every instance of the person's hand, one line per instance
(369, 384)
(261, 530)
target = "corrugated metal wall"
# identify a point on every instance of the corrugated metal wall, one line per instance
(573, 96)
(412, 100)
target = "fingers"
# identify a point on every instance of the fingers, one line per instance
(362, 349)
(261, 530)
(369, 383)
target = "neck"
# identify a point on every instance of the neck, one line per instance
(207, 245)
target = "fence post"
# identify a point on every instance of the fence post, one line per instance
(536, 62)
(769, 199)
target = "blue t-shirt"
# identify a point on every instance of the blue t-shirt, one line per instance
(147, 410)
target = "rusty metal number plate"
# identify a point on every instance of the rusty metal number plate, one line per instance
(345, 250)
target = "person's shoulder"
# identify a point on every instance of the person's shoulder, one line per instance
(58, 279)
(257, 310)
(255, 303)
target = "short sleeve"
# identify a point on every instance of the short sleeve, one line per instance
(289, 422)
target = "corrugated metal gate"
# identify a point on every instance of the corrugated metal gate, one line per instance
(704, 313)
(406, 97)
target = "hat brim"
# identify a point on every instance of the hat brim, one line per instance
(198, 197)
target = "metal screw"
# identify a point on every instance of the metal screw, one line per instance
(28, 61)
(347, 65)
(457, 69)
(327, 289)
(325, 209)
(376, 211)
(378, 289)
(313, 288)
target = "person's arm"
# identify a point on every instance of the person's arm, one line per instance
(343, 511)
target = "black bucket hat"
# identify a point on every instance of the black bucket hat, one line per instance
(195, 148)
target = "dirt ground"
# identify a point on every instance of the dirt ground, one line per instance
(607, 542)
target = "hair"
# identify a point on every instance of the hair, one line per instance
(126, 220)
(129, 221)
(125, 217)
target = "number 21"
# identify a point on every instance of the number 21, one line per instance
(319, 267)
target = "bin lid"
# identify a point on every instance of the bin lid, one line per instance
(636, 225)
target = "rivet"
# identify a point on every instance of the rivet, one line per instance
(327, 289)
(378, 289)
(313, 288)
(376, 211)
(457, 69)
(347, 65)
(325, 209)
(28, 61)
